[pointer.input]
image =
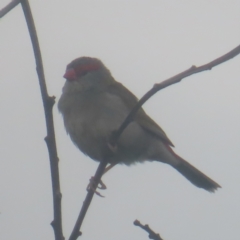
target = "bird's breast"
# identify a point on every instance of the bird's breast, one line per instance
(90, 120)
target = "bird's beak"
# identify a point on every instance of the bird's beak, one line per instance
(70, 74)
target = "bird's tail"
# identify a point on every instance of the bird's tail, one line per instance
(196, 177)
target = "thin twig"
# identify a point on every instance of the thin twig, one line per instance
(152, 234)
(100, 170)
(48, 103)
(76, 230)
(175, 79)
(9, 7)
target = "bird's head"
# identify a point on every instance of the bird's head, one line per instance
(85, 73)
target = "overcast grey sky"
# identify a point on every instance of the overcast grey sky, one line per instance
(142, 43)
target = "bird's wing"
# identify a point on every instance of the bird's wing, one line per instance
(141, 117)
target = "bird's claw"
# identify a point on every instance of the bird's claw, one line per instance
(92, 186)
(113, 148)
(102, 185)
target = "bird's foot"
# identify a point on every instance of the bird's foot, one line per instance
(92, 186)
(113, 148)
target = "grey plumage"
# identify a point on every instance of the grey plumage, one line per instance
(93, 105)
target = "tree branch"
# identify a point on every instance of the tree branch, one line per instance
(76, 230)
(175, 79)
(9, 7)
(48, 103)
(152, 234)
(100, 170)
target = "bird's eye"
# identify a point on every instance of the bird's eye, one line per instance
(81, 71)
(84, 72)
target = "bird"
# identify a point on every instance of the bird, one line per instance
(94, 105)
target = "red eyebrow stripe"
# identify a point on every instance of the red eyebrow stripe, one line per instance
(86, 68)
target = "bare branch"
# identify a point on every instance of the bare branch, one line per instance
(152, 234)
(175, 79)
(9, 7)
(100, 170)
(48, 103)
